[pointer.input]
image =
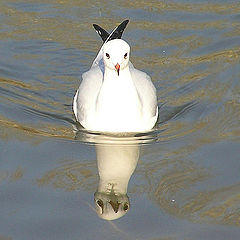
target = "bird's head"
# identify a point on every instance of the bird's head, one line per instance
(111, 206)
(116, 55)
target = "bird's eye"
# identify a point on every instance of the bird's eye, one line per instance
(125, 207)
(107, 55)
(100, 203)
(125, 55)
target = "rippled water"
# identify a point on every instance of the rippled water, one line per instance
(186, 183)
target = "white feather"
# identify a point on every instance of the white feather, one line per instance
(106, 101)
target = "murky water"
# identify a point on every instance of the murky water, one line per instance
(186, 184)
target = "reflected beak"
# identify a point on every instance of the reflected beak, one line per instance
(115, 205)
(117, 67)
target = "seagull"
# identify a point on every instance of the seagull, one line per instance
(113, 95)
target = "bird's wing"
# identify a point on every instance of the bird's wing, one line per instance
(87, 93)
(116, 33)
(146, 90)
(101, 32)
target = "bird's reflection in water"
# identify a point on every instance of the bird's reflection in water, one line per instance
(117, 157)
(116, 164)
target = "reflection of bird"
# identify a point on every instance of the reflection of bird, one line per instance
(115, 166)
(113, 95)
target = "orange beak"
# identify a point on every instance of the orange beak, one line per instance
(117, 66)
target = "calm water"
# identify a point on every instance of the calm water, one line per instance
(186, 184)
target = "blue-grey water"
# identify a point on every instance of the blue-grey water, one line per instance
(187, 181)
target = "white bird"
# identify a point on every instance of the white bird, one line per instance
(116, 164)
(114, 96)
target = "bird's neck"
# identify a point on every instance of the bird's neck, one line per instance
(118, 105)
(118, 91)
(111, 76)
(116, 165)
